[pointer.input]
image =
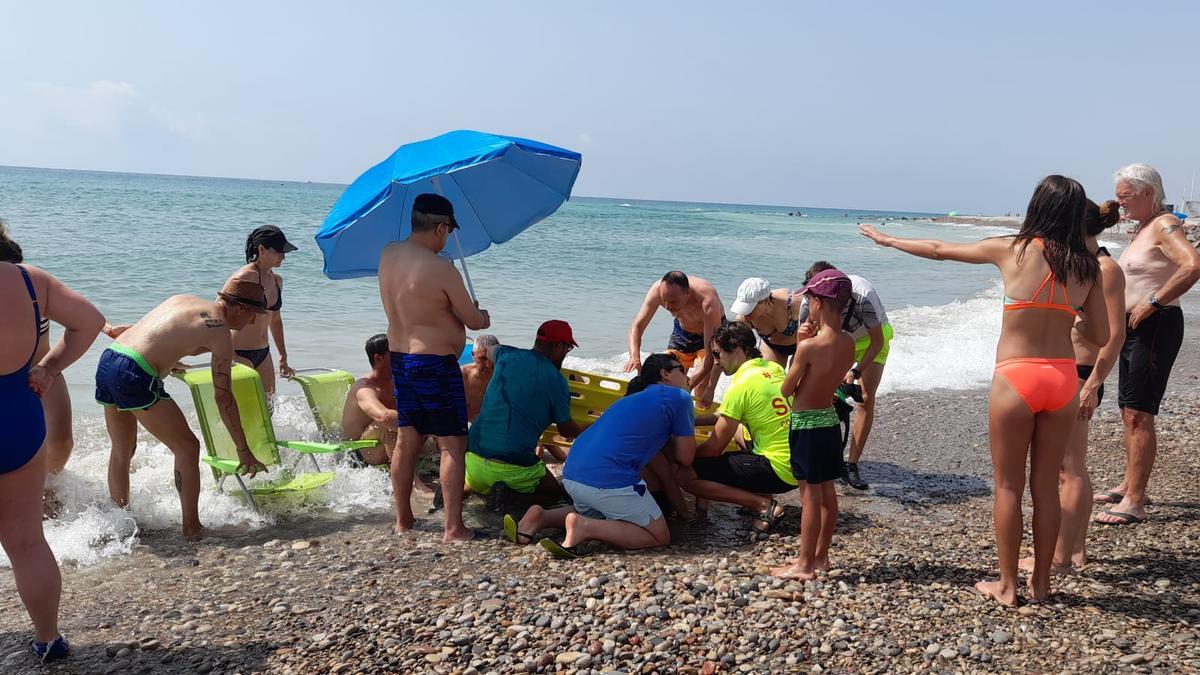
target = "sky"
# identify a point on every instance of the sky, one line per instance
(921, 106)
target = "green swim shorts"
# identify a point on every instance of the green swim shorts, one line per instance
(861, 345)
(483, 473)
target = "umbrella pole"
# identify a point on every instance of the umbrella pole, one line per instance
(462, 260)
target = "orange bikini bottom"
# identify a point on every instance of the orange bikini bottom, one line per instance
(1045, 385)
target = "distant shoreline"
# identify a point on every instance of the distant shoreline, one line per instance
(1117, 233)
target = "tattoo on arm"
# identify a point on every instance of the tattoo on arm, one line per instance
(1168, 229)
(178, 481)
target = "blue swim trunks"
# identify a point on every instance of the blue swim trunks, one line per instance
(126, 381)
(429, 394)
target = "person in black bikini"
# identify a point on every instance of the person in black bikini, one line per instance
(774, 316)
(265, 250)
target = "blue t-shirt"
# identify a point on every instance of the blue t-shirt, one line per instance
(527, 393)
(615, 449)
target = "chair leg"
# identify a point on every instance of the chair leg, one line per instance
(248, 495)
(316, 466)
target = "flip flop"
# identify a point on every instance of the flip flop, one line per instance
(769, 517)
(562, 552)
(1113, 497)
(1122, 517)
(513, 534)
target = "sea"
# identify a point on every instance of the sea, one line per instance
(128, 241)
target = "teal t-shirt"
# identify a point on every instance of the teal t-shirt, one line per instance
(526, 395)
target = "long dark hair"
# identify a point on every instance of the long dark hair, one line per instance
(10, 251)
(252, 243)
(1100, 217)
(1055, 215)
(651, 372)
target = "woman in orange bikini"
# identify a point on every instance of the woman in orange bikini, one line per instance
(1049, 276)
(1093, 364)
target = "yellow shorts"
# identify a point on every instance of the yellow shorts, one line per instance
(483, 473)
(863, 343)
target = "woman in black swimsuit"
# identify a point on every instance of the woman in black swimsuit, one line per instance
(773, 315)
(265, 249)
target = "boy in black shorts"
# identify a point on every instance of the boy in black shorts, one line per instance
(815, 439)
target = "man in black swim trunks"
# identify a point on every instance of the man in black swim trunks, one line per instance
(698, 313)
(1160, 265)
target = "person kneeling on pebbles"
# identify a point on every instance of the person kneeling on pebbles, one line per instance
(526, 395)
(816, 371)
(612, 503)
(753, 399)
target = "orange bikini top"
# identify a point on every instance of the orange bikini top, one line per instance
(1011, 305)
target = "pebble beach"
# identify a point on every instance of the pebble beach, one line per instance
(344, 595)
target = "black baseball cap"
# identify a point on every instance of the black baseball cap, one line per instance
(271, 237)
(434, 205)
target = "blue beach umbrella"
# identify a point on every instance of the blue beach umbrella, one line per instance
(499, 186)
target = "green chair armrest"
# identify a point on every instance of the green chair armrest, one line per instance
(317, 448)
(223, 465)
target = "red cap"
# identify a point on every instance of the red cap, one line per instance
(556, 331)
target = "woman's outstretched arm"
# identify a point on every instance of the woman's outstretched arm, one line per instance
(979, 252)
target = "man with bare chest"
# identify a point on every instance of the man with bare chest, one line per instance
(428, 310)
(698, 313)
(1160, 265)
(129, 386)
(370, 410)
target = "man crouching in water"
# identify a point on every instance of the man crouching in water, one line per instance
(428, 310)
(129, 385)
(370, 410)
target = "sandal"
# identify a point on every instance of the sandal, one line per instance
(513, 534)
(1113, 497)
(770, 517)
(562, 552)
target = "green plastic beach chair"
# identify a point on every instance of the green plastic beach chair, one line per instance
(221, 453)
(325, 389)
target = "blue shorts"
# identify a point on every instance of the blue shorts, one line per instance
(126, 381)
(633, 504)
(429, 394)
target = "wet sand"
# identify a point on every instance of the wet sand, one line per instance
(331, 594)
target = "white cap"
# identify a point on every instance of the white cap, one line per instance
(752, 291)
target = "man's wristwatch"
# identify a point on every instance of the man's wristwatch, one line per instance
(1155, 303)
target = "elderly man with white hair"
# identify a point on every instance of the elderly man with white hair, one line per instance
(1160, 265)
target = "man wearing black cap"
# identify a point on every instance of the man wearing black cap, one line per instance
(428, 310)
(129, 386)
